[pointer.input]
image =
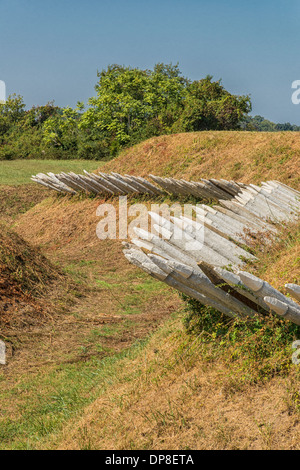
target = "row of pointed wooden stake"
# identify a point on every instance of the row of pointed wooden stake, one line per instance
(280, 198)
(203, 258)
(102, 183)
(116, 184)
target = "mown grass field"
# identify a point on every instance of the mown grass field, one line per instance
(102, 356)
(18, 172)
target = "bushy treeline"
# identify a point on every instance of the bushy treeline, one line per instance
(260, 124)
(130, 105)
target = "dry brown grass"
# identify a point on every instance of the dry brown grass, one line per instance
(250, 157)
(279, 263)
(171, 399)
(62, 226)
(15, 200)
(25, 275)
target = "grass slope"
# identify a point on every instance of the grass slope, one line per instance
(180, 393)
(250, 157)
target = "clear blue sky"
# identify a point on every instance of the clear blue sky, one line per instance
(52, 50)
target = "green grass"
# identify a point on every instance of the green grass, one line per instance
(35, 409)
(55, 397)
(38, 405)
(17, 172)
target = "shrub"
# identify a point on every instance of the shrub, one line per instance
(254, 350)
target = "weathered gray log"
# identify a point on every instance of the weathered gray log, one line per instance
(145, 263)
(196, 247)
(167, 251)
(69, 181)
(102, 189)
(95, 185)
(120, 189)
(278, 194)
(125, 180)
(169, 280)
(284, 187)
(53, 182)
(234, 280)
(149, 185)
(47, 185)
(181, 187)
(227, 186)
(285, 201)
(84, 183)
(294, 290)
(219, 193)
(119, 182)
(239, 209)
(264, 289)
(253, 225)
(163, 245)
(160, 182)
(141, 187)
(206, 191)
(146, 245)
(216, 242)
(221, 222)
(229, 227)
(108, 184)
(198, 281)
(263, 207)
(283, 309)
(2, 353)
(284, 214)
(192, 190)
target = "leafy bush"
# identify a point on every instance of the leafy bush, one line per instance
(255, 349)
(21, 134)
(208, 106)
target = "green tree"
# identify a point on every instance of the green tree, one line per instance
(209, 106)
(21, 130)
(260, 124)
(131, 103)
(11, 112)
(61, 129)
